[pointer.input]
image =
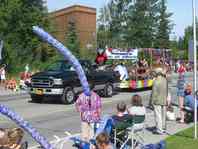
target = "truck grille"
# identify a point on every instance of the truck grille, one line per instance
(42, 82)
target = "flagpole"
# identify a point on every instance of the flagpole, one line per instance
(195, 67)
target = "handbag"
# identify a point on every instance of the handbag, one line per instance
(170, 116)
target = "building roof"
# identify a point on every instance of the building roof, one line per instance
(73, 8)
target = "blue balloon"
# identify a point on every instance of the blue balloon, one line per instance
(26, 126)
(67, 54)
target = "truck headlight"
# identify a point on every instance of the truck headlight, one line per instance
(58, 81)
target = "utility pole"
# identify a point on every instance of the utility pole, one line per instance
(195, 66)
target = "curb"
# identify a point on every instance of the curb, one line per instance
(14, 96)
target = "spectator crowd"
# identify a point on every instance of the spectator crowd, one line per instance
(90, 107)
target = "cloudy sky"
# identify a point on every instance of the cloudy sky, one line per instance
(182, 10)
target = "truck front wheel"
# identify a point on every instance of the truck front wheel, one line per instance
(68, 96)
(108, 90)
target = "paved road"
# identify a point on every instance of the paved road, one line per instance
(53, 118)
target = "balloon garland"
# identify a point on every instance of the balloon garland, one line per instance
(67, 54)
(26, 126)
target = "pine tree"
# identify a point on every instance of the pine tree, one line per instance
(103, 33)
(165, 26)
(119, 12)
(142, 20)
(72, 41)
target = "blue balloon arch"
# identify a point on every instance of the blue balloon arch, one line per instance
(68, 55)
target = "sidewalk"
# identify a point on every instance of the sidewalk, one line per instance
(8, 93)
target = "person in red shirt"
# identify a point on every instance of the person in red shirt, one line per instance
(101, 57)
(181, 69)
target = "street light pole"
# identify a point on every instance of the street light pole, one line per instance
(195, 67)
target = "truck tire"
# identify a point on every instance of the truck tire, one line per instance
(108, 90)
(68, 96)
(36, 99)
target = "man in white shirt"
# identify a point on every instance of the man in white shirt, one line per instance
(122, 71)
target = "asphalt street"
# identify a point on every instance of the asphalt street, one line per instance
(53, 118)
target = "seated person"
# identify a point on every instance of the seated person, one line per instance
(12, 138)
(11, 84)
(103, 142)
(122, 113)
(189, 98)
(3, 137)
(122, 120)
(137, 108)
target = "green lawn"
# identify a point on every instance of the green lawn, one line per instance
(182, 140)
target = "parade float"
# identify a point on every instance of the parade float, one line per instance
(139, 77)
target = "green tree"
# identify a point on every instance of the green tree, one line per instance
(118, 18)
(112, 22)
(165, 26)
(103, 30)
(180, 43)
(188, 35)
(128, 22)
(16, 20)
(142, 23)
(72, 41)
(174, 46)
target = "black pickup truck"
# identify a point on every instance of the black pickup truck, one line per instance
(60, 79)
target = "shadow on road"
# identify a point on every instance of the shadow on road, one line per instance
(48, 101)
(136, 90)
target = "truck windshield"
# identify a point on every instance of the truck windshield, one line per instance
(60, 66)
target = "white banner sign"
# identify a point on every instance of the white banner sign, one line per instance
(116, 54)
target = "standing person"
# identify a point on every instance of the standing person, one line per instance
(27, 68)
(177, 65)
(180, 91)
(158, 100)
(145, 63)
(122, 71)
(90, 112)
(3, 74)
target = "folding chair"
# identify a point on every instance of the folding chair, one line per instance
(137, 127)
(120, 132)
(127, 130)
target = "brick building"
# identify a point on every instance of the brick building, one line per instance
(85, 21)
